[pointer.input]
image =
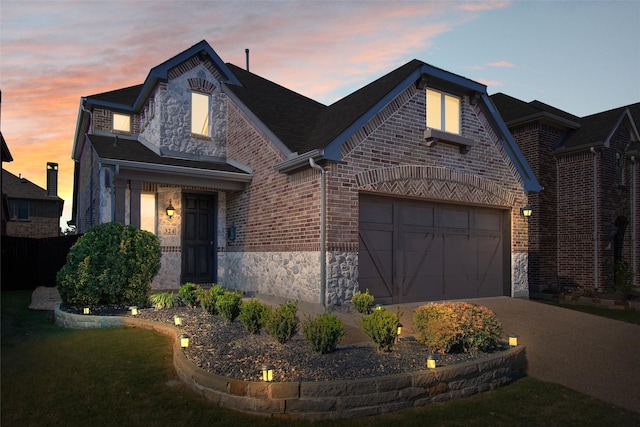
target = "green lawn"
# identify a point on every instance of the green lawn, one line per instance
(124, 377)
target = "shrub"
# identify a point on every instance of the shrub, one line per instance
(228, 305)
(283, 322)
(254, 315)
(623, 278)
(209, 297)
(323, 332)
(381, 326)
(111, 263)
(190, 294)
(457, 327)
(165, 300)
(362, 302)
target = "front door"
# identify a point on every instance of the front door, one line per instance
(199, 225)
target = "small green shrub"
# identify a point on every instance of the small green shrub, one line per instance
(283, 322)
(381, 326)
(623, 278)
(362, 302)
(457, 327)
(209, 297)
(111, 263)
(254, 315)
(165, 300)
(228, 305)
(190, 294)
(323, 332)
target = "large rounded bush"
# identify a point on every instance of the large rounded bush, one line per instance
(111, 263)
(457, 327)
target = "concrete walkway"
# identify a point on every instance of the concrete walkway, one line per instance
(590, 354)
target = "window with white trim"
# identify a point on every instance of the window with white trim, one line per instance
(199, 113)
(443, 111)
(121, 122)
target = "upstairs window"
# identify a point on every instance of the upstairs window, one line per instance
(121, 122)
(19, 210)
(199, 113)
(443, 111)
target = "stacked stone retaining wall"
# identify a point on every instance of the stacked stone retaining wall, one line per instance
(327, 399)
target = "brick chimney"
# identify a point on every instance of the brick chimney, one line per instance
(52, 179)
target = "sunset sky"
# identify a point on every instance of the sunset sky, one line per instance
(579, 56)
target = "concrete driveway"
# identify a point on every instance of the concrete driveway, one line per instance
(593, 355)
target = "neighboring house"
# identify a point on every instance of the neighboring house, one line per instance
(587, 217)
(33, 211)
(423, 183)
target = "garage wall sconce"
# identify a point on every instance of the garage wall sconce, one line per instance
(171, 211)
(526, 212)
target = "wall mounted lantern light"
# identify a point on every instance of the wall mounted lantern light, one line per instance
(267, 372)
(171, 211)
(526, 211)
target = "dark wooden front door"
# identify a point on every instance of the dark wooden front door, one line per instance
(423, 251)
(199, 251)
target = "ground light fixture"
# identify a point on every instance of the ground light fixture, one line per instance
(513, 340)
(177, 320)
(184, 340)
(267, 372)
(432, 361)
(171, 211)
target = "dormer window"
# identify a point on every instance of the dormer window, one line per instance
(443, 111)
(121, 122)
(199, 113)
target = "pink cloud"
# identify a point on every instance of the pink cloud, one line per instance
(501, 64)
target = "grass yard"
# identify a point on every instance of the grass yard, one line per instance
(114, 377)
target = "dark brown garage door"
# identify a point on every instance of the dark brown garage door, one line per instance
(424, 251)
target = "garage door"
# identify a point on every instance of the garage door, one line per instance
(424, 251)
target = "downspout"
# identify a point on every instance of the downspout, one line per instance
(634, 218)
(323, 232)
(595, 218)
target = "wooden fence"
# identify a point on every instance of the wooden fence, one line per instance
(29, 263)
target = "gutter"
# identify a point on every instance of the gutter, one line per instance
(300, 161)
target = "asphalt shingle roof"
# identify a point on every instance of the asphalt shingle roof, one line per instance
(112, 148)
(21, 188)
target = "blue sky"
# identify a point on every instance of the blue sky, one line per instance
(580, 56)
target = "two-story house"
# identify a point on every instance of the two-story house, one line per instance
(411, 187)
(589, 212)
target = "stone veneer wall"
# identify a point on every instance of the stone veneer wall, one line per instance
(328, 399)
(292, 275)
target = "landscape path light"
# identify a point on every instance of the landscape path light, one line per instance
(432, 361)
(513, 340)
(267, 372)
(184, 340)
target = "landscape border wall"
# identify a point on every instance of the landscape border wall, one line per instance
(326, 399)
